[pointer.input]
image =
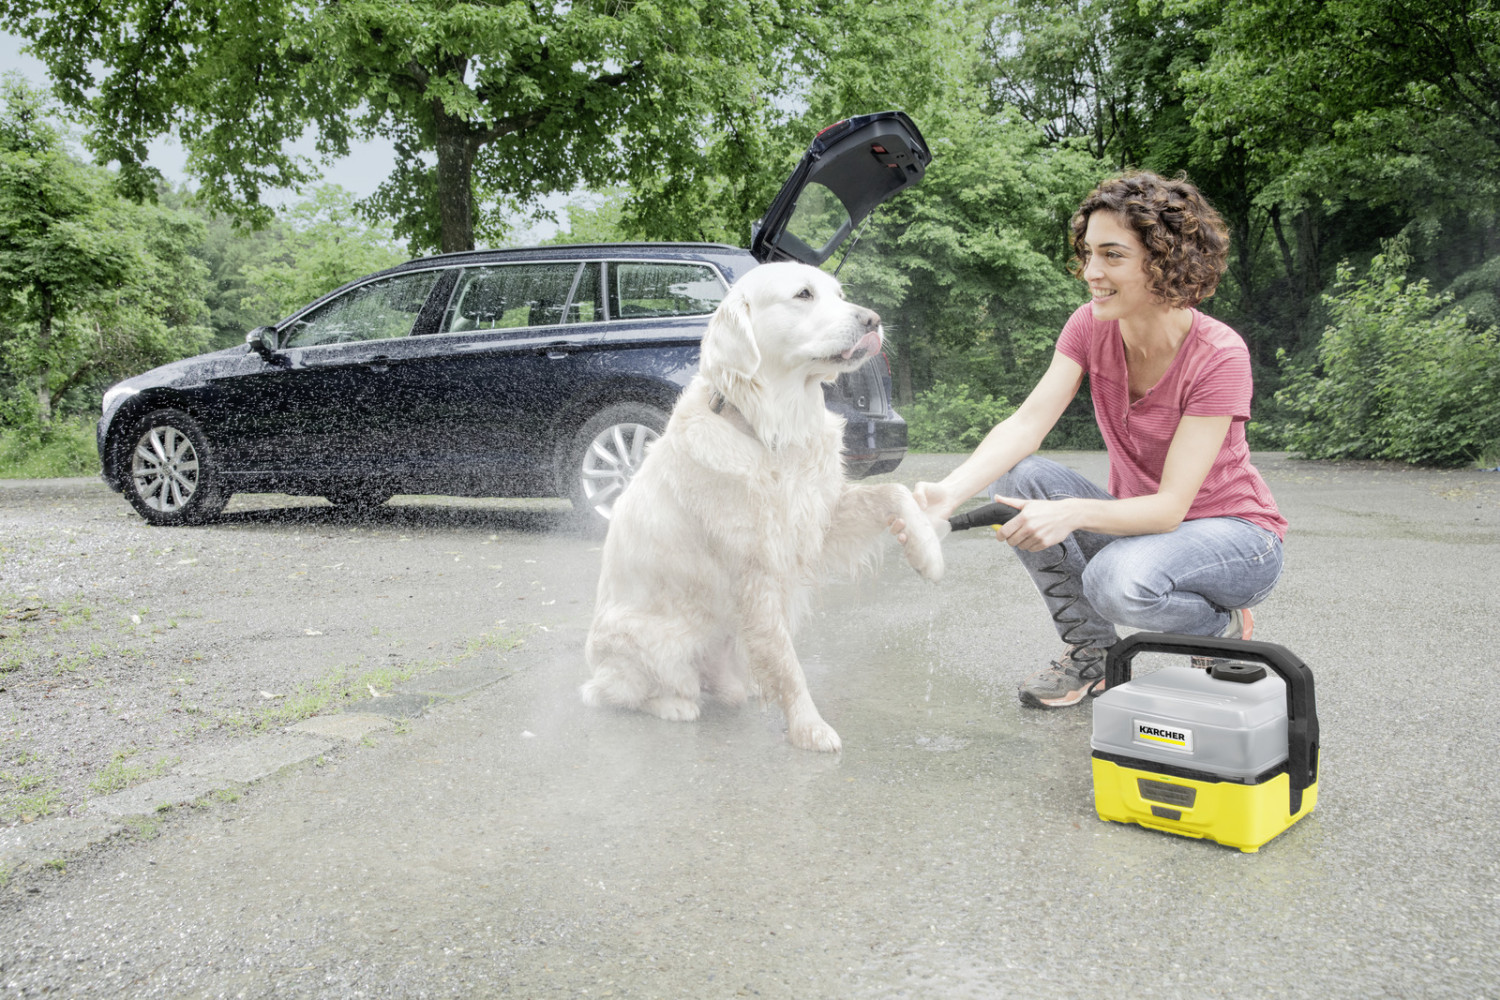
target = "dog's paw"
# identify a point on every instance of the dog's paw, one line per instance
(923, 550)
(671, 709)
(816, 735)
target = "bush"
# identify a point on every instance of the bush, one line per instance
(1397, 375)
(949, 418)
(65, 448)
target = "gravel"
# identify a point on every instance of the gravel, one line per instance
(125, 648)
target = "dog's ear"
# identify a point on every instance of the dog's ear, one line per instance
(729, 350)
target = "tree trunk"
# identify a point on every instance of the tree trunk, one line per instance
(44, 367)
(1309, 263)
(456, 147)
(1281, 242)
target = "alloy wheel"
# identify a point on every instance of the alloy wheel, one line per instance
(611, 461)
(164, 469)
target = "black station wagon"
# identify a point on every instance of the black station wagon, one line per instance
(535, 372)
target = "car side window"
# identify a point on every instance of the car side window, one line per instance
(644, 290)
(378, 310)
(515, 296)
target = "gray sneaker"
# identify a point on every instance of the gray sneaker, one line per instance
(1241, 626)
(1077, 674)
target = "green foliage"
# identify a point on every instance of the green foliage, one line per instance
(596, 217)
(98, 287)
(323, 244)
(1395, 376)
(484, 101)
(1366, 119)
(952, 418)
(966, 270)
(1387, 101)
(65, 448)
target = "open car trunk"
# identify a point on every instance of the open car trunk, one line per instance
(851, 168)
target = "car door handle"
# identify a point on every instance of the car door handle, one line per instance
(379, 363)
(557, 350)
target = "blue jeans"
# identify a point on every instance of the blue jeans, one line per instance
(1187, 580)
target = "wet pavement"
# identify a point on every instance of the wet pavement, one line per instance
(508, 841)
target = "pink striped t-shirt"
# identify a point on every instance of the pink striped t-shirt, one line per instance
(1210, 377)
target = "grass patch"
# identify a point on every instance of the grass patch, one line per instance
(119, 774)
(27, 796)
(346, 684)
(66, 448)
(336, 688)
(31, 807)
(142, 827)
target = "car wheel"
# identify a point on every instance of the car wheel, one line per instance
(172, 477)
(358, 501)
(606, 454)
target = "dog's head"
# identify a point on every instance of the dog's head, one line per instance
(786, 323)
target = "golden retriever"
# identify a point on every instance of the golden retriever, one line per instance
(739, 509)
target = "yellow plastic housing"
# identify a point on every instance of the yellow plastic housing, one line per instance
(1229, 813)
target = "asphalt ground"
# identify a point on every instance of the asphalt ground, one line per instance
(471, 830)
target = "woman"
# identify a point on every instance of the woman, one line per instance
(1187, 538)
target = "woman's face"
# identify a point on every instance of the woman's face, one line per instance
(1115, 269)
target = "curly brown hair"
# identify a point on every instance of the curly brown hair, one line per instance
(1187, 243)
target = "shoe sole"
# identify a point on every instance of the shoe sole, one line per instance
(1094, 690)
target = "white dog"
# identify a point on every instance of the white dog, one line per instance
(739, 509)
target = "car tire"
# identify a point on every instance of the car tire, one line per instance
(358, 501)
(169, 472)
(605, 454)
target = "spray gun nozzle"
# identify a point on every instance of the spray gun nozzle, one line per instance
(990, 513)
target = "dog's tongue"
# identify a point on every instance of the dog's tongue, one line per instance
(868, 344)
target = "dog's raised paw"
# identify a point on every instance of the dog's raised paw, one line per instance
(924, 552)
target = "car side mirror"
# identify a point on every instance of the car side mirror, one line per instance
(262, 341)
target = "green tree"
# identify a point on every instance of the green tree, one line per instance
(1394, 101)
(1397, 374)
(594, 217)
(323, 244)
(480, 99)
(94, 286)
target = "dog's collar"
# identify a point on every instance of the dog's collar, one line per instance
(724, 408)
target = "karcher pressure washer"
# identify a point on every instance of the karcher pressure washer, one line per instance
(1228, 754)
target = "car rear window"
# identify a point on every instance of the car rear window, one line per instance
(819, 222)
(646, 290)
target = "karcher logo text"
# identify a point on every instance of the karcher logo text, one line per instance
(1158, 735)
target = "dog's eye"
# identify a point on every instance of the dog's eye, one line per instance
(806, 293)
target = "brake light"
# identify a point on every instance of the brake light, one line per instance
(887, 362)
(877, 149)
(831, 128)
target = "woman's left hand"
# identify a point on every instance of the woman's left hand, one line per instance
(1041, 523)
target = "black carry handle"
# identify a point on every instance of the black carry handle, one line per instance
(1301, 707)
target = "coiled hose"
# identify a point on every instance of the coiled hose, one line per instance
(999, 513)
